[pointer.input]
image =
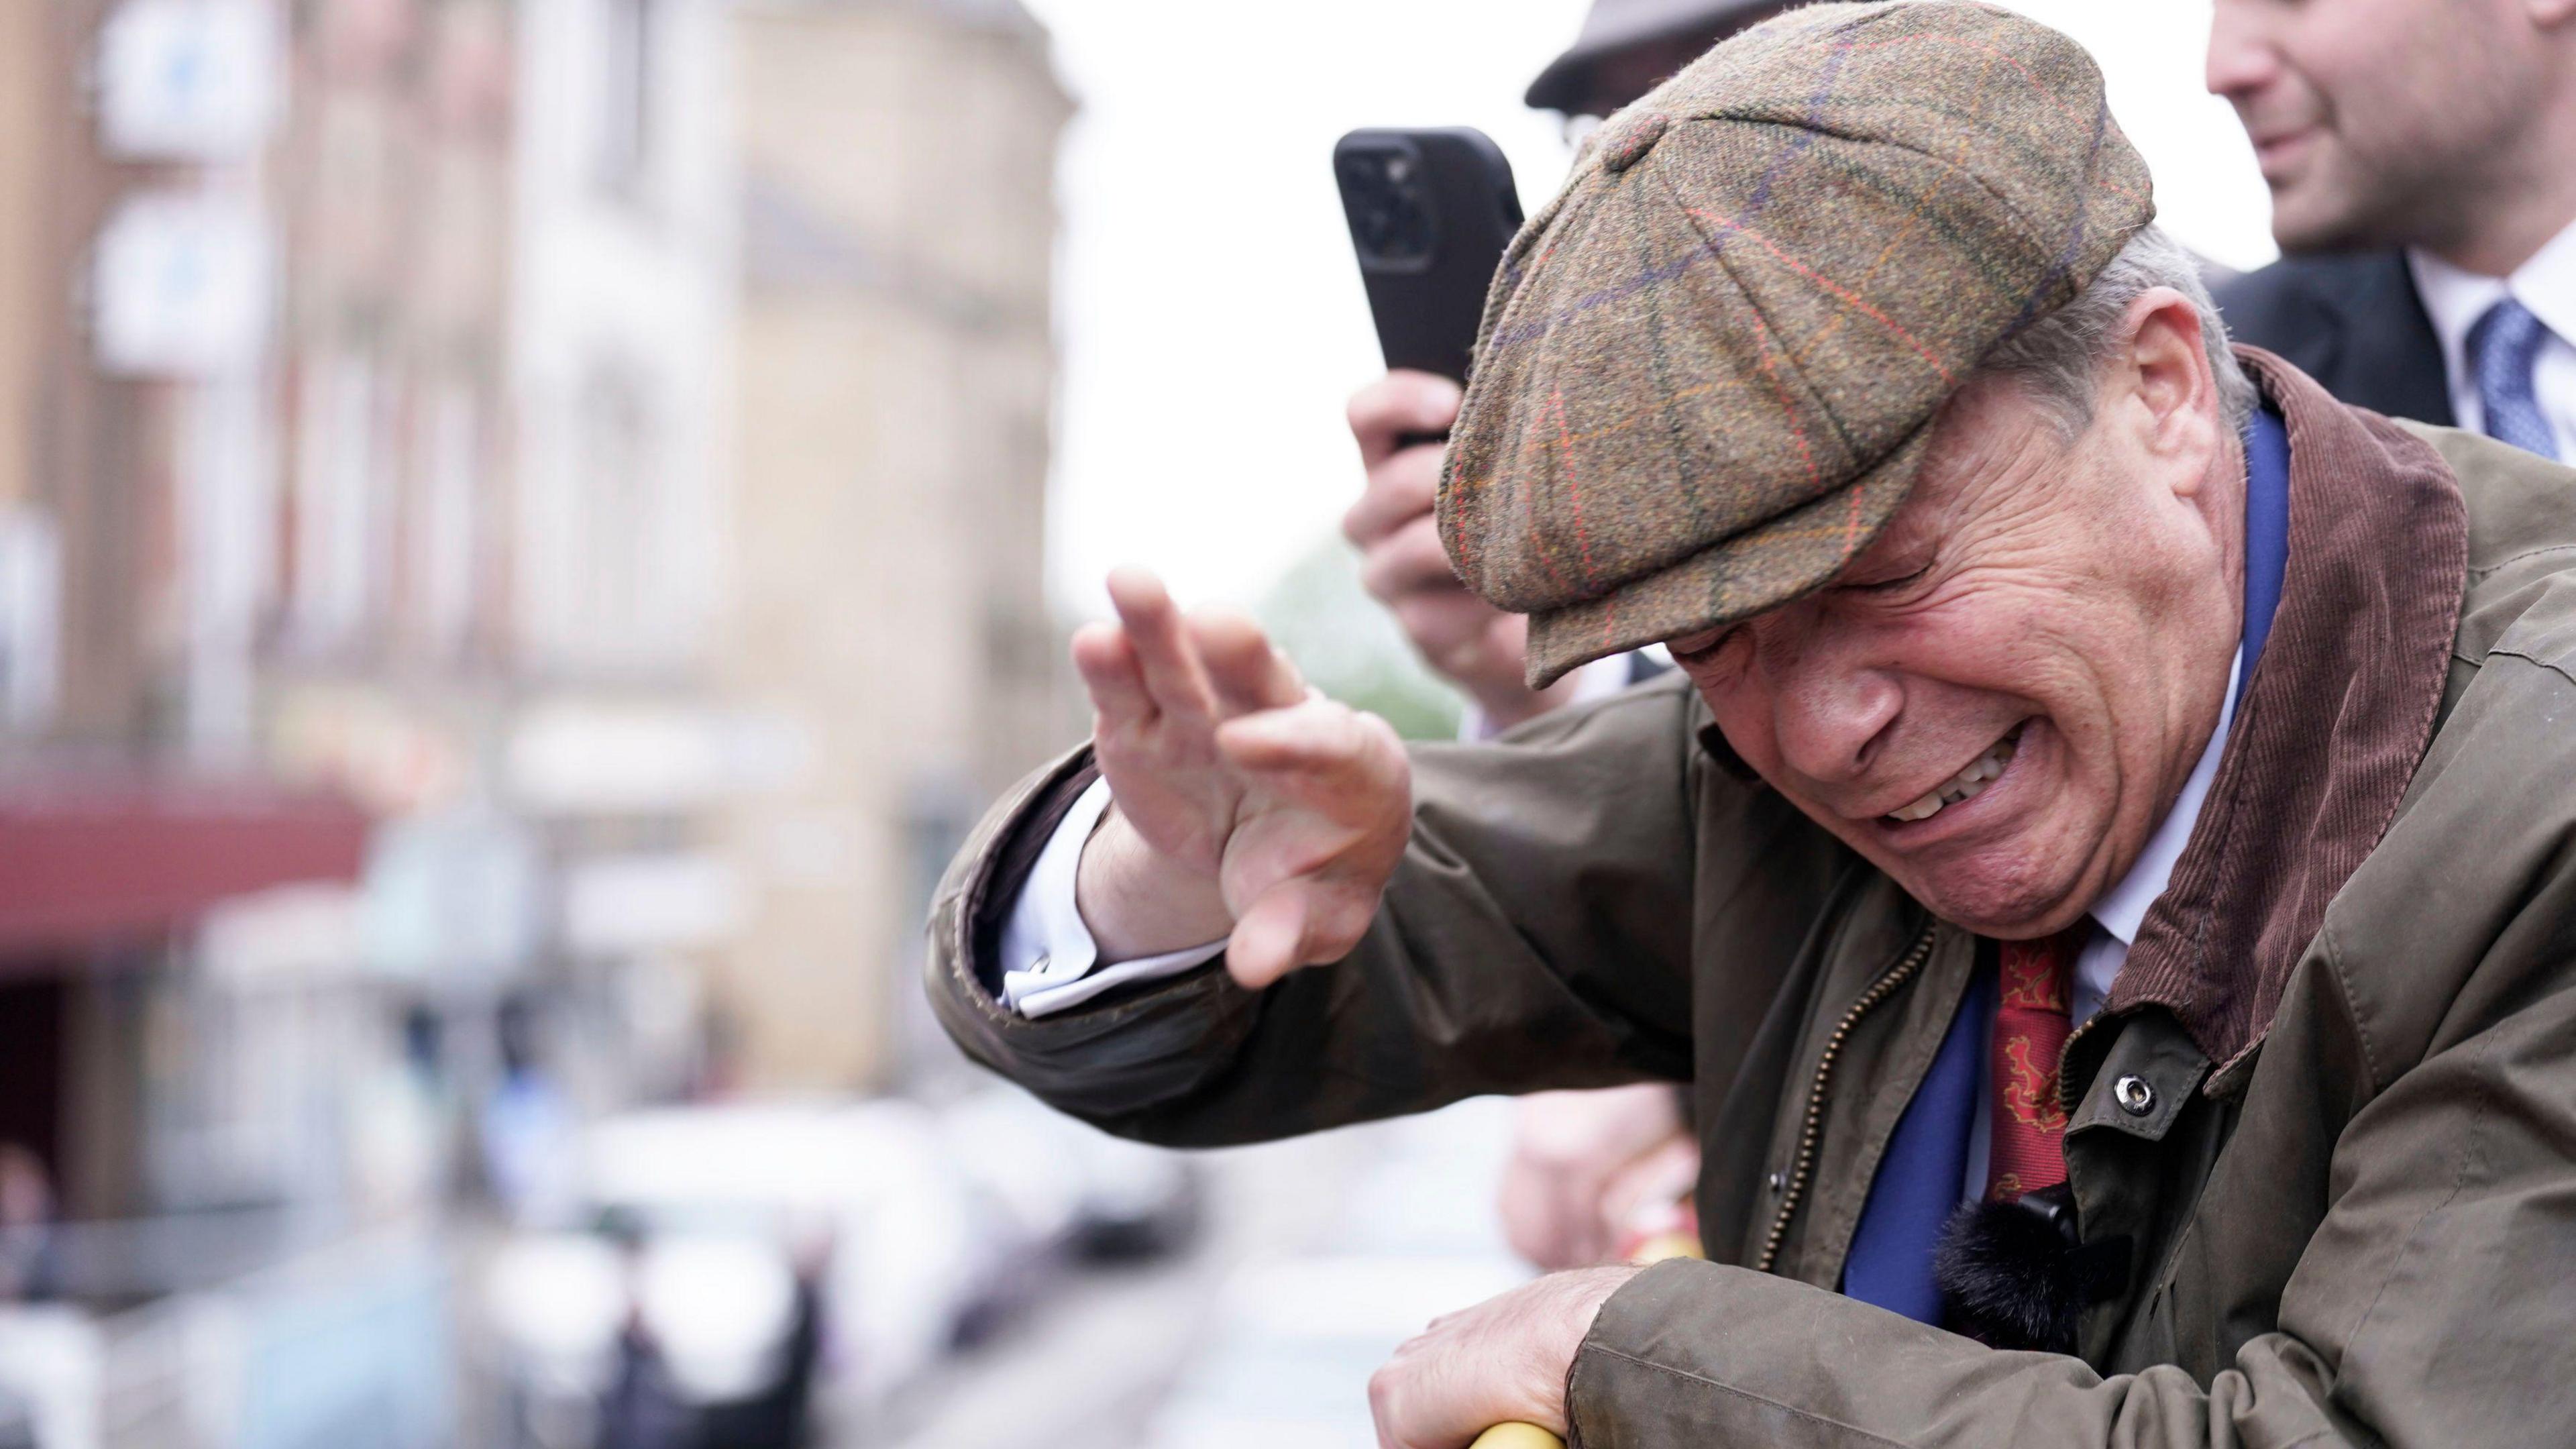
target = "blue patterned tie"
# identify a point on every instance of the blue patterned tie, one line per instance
(2502, 348)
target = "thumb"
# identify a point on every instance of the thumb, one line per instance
(1302, 921)
(1269, 938)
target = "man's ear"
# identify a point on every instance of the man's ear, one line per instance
(2169, 369)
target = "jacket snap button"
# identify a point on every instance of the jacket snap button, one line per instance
(2134, 1095)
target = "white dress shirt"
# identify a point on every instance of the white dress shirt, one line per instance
(1051, 963)
(1048, 956)
(2455, 300)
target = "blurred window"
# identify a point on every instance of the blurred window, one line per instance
(338, 492)
(448, 518)
(619, 518)
(188, 80)
(939, 812)
(629, 67)
(243, 1088)
(611, 566)
(30, 616)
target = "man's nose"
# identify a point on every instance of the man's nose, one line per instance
(1833, 708)
(2241, 57)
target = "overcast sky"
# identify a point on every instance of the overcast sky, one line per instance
(1211, 314)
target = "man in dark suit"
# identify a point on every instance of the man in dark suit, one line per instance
(2422, 160)
(2351, 320)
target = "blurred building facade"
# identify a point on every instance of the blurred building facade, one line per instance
(231, 347)
(621, 750)
(521, 537)
(895, 388)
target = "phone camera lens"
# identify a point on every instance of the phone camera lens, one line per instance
(1390, 218)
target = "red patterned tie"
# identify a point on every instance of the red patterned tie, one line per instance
(2029, 1138)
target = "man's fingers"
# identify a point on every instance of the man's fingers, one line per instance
(1165, 660)
(1246, 673)
(1315, 734)
(1107, 663)
(1325, 758)
(1401, 403)
(1400, 490)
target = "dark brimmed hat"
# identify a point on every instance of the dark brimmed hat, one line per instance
(1612, 26)
(1707, 370)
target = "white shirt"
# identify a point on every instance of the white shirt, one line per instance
(2456, 299)
(1046, 938)
(1049, 957)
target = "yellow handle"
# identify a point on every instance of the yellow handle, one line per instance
(1517, 1436)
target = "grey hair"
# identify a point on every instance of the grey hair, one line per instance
(2059, 357)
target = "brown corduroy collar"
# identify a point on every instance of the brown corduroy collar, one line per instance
(2338, 713)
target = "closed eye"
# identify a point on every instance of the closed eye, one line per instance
(1700, 649)
(1883, 586)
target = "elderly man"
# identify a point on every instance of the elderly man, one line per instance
(2106, 866)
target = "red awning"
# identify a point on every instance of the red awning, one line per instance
(86, 860)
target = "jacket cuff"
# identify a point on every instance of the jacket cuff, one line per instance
(997, 887)
(1690, 1353)
(1106, 1061)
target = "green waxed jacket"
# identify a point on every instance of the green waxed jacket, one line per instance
(2331, 1101)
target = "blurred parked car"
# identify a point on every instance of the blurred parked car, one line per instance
(740, 1255)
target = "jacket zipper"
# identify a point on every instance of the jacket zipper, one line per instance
(1804, 1165)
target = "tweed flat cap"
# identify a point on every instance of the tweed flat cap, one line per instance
(1707, 369)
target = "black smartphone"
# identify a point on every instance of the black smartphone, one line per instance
(1431, 213)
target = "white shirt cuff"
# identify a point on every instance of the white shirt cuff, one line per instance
(1049, 961)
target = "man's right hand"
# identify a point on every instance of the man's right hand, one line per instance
(1246, 805)
(1474, 645)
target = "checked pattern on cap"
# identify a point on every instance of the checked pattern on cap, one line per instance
(1705, 369)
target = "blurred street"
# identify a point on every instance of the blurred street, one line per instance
(1322, 1256)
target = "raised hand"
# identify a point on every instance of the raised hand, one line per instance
(1247, 806)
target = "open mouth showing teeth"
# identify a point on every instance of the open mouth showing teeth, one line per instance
(1968, 784)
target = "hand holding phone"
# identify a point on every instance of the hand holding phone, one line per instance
(1431, 214)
